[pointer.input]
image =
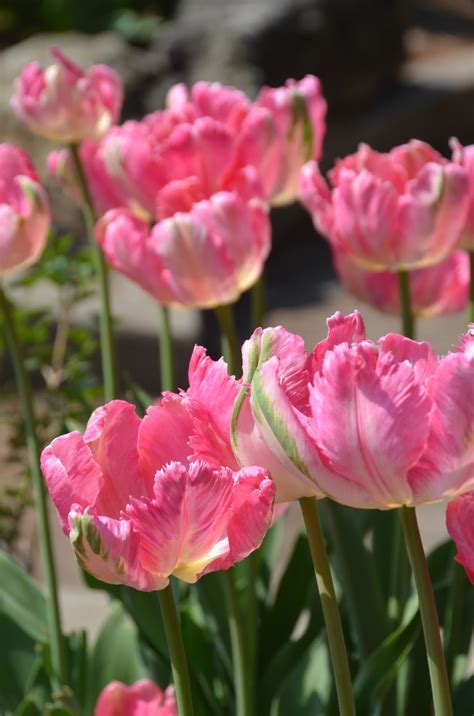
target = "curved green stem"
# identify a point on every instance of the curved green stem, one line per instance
(429, 615)
(167, 356)
(45, 542)
(230, 342)
(179, 664)
(107, 347)
(471, 288)
(332, 618)
(243, 693)
(257, 303)
(408, 319)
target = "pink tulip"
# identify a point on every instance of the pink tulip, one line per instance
(298, 112)
(460, 524)
(24, 211)
(138, 507)
(434, 291)
(65, 104)
(206, 255)
(226, 105)
(370, 426)
(401, 210)
(465, 157)
(143, 698)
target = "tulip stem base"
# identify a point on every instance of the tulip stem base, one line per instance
(408, 320)
(332, 618)
(44, 531)
(179, 664)
(257, 303)
(107, 345)
(167, 354)
(471, 288)
(229, 340)
(429, 615)
(243, 695)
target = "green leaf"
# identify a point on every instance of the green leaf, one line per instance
(21, 599)
(17, 659)
(362, 592)
(378, 672)
(115, 654)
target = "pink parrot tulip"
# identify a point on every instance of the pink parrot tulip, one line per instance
(24, 211)
(434, 291)
(206, 254)
(465, 157)
(397, 211)
(143, 698)
(460, 524)
(65, 104)
(370, 426)
(138, 507)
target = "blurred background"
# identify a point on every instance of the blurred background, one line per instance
(392, 70)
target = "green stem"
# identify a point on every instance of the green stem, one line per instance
(471, 288)
(408, 320)
(107, 347)
(429, 615)
(167, 356)
(253, 564)
(177, 654)
(45, 542)
(230, 342)
(257, 303)
(332, 619)
(243, 693)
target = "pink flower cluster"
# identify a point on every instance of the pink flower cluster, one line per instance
(143, 698)
(185, 191)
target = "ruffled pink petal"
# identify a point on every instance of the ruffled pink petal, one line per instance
(341, 329)
(210, 401)
(419, 354)
(143, 698)
(109, 550)
(446, 467)
(460, 524)
(315, 195)
(163, 437)
(72, 475)
(111, 435)
(370, 428)
(250, 516)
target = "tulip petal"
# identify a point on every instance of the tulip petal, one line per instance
(72, 475)
(446, 467)
(111, 436)
(460, 524)
(371, 429)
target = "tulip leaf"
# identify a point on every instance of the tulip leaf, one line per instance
(378, 672)
(115, 654)
(21, 599)
(17, 659)
(362, 593)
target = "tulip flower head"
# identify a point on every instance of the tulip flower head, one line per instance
(143, 698)
(201, 257)
(138, 507)
(24, 211)
(65, 104)
(460, 524)
(372, 426)
(464, 156)
(434, 291)
(397, 211)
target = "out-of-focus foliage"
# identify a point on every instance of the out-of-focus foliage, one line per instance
(136, 20)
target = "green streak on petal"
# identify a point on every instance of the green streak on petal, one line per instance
(91, 534)
(263, 411)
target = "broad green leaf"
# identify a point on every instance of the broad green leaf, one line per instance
(358, 576)
(378, 672)
(115, 654)
(17, 659)
(21, 599)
